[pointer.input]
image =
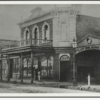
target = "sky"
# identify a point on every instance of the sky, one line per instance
(11, 15)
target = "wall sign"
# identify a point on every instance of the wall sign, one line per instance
(65, 58)
(90, 47)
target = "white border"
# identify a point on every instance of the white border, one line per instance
(49, 2)
(91, 94)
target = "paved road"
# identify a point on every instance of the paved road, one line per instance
(13, 88)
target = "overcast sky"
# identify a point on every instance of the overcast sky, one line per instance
(10, 15)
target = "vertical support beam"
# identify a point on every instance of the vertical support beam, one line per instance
(32, 67)
(39, 69)
(47, 66)
(8, 78)
(74, 70)
(71, 67)
(1, 67)
(27, 66)
(21, 63)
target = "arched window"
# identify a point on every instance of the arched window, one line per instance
(25, 66)
(35, 63)
(50, 65)
(26, 36)
(35, 35)
(44, 66)
(46, 31)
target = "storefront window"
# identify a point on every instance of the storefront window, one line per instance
(4, 66)
(16, 65)
(25, 66)
(35, 63)
(50, 66)
(44, 66)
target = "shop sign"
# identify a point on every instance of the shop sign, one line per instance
(90, 47)
(65, 58)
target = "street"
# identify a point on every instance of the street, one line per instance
(19, 88)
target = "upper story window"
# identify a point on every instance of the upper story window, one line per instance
(46, 31)
(26, 34)
(26, 37)
(35, 35)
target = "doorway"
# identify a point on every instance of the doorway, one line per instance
(64, 71)
(83, 72)
(11, 68)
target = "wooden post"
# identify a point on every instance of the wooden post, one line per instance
(1, 66)
(31, 67)
(47, 66)
(21, 63)
(39, 69)
(74, 70)
(27, 66)
(8, 78)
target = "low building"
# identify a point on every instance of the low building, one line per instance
(60, 44)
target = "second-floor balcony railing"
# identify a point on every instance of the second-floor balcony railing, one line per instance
(29, 42)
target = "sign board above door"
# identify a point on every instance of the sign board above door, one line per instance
(65, 58)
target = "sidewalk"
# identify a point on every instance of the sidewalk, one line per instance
(56, 84)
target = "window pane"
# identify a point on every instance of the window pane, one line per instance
(44, 66)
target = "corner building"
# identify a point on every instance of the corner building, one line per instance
(46, 47)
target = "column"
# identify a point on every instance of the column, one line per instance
(74, 70)
(1, 67)
(8, 78)
(47, 68)
(39, 69)
(21, 66)
(71, 67)
(31, 67)
(27, 65)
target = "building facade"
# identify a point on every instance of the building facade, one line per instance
(47, 47)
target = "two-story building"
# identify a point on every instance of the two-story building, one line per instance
(60, 44)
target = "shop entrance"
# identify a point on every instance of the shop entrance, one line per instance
(83, 72)
(11, 67)
(88, 63)
(64, 68)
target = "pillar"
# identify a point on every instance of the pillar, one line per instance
(21, 67)
(8, 78)
(27, 65)
(32, 67)
(1, 67)
(74, 70)
(39, 64)
(47, 68)
(71, 67)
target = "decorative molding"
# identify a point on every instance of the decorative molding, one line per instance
(35, 21)
(67, 54)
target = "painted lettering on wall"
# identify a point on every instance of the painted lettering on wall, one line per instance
(90, 47)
